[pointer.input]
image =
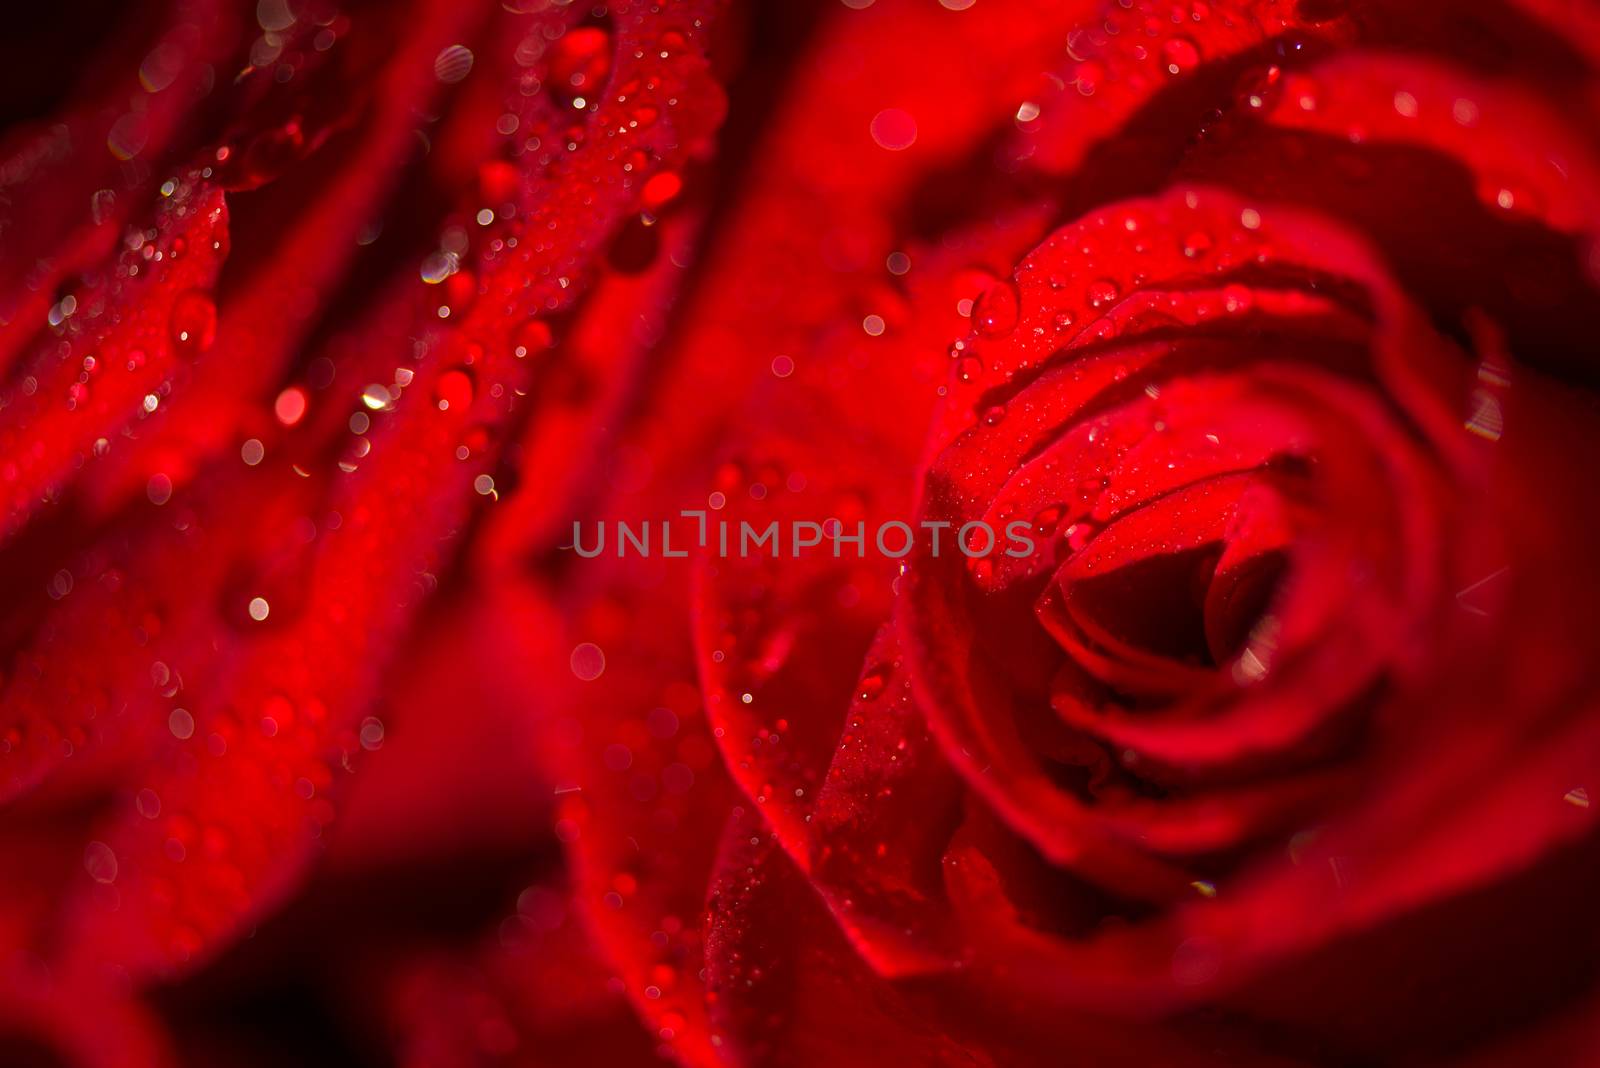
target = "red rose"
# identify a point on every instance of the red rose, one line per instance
(1279, 749)
(1251, 336)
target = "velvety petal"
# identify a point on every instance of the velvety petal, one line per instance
(785, 986)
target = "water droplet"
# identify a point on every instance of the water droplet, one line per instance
(1180, 54)
(274, 16)
(102, 205)
(268, 154)
(159, 489)
(377, 397)
(193, 323)
(893, 129)
(1260, 89)
(531, 337)
(128, 136)
(969, 368)
(453, 64)
(161, 67)
(290, 406)
(1197, 244)
(995, 311)
(1102, 292)
(660, 191)
(579, 62)
(873, 682)
(1078, 536)
(148, 803)
(588, 661)
(439, 265)
(100, 862)
(1087, 76)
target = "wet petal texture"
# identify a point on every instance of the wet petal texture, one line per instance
(1256, 333)
(278, 301)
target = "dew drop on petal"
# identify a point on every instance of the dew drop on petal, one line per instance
(148, 803)
(102, 205)
(579, 62)
(453, 64)
(531, 337)
(161, 67)
(274, 16)
(872, 683)
(100, 862)
(994, 313)
(128, 136)
(1179, 54)
(194, 323)
(290, 406)
(894, 129)
(159, 489)
(660, 191)
(588, 661)
(1101, 293)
